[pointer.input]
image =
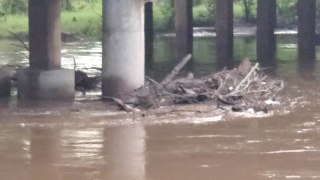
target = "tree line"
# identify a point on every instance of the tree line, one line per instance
(21, 6)
(203, 11)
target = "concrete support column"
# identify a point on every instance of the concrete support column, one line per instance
(123, 47)
(44, 34)
(183, 27)
(224, 29)
(266, 40)
(45, 79)
(149, 33)
(306, 33)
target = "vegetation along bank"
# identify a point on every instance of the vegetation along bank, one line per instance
(83, 17)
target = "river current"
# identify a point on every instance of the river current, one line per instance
(84, 140)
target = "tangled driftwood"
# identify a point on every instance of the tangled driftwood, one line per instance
(241, 88)
(85, 83)
(245, 87)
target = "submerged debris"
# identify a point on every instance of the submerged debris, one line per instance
(242, 88)
(85, 83)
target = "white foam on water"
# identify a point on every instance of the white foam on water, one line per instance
(291, 151)
(204, 120)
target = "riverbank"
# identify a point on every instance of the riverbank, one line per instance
(84, 17)
(87, 21)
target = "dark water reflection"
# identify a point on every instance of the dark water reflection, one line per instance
(85, 141)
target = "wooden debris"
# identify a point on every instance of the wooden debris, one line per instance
(122, 106)
(176, 70)
(19, 39)
(242, 88)
(85, 83)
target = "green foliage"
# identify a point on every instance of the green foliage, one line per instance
(15, 23)
(209, 4)
(67, 5)
(245, 9)
(163, 15)
(13, 6)
(84, 16)
(286, 11)
(238, 10)
(75, 5)
(202, 16)
(21, 6)
(83, 22)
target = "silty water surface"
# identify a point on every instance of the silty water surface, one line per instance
(86, 140)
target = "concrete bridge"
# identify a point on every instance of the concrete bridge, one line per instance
(124, 43)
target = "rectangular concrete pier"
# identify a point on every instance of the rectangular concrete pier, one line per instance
(306, 33)
(224, 29)
(183, 27)
(266, 39)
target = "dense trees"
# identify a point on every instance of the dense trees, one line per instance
(204, 10)
(21, 6)
(13, 6)
(88, 14)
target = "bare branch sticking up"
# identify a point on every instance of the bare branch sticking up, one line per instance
(20, 40)
(176, 70)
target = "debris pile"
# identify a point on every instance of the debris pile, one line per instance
(242, 88)
(85, 83)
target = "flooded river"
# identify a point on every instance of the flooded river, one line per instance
(84, 140)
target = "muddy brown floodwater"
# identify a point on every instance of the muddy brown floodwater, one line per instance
(84, 140)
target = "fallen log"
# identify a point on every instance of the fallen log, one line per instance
(176, 70)
(121, 105)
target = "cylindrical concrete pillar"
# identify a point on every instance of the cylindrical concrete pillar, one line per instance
(306, 33)
(224, 29)
(123, 47)
(266, 40)
(183, 27)
(44, 34)
(149, 32)
(45, 79)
